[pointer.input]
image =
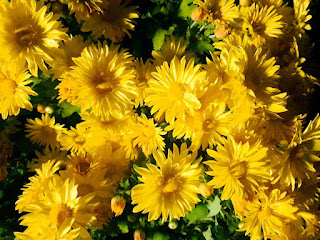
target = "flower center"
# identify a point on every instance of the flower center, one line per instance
(104, 83)
(238, 169)
(79, 139)
(83, 167)
(84, 189)
(176, 91)
(208, 125)
(26, 35)
(265, 213)
(258, 28)
(171, 185)
(60, 213)
(8, 87)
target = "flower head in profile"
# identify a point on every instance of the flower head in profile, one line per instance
(84, 8)
(14, 92)
(239, 168)
(44, 131)
(114, 21)
(171, 188)
(175, 89)
(32, 36)
(105, 81)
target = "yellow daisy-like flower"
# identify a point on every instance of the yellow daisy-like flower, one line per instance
(269, 215)
(44, 131)
(81, 164)
(113, 22)
(14, 92)
(171, 189)
(240, 168)
(175, 89)
(205, 127)
(218, 11)
(262, 23)
(301, 14)
(74, 140)
(143, 74)
(70, 48)
(144, 134)
(105, 81)
(83, 8)
(31, 36)
(171, 48)
(68, 89)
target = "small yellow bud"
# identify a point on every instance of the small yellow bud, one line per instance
(197, 14)
(40, 108)
(173, 224)
(221, 31)
(57, 7)
(48, 109)
(158, 118)
(139, 235)
(118, 204)
(205, 190)
(245, 3)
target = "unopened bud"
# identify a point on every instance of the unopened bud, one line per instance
(57, 7)
(221, 31)
(205, 190)
(139, 235)
(48, 109)
(173, 224)
(41, 108)
(158, 118)
(245, 3)
(118, 204)
(197, 14)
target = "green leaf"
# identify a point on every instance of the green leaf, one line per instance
(159, 36)
(186, 8)
(68, 109)
(199, 212)
(123, 226)
(203, 47)
(214, 206)
(207, 234)
(160, 236)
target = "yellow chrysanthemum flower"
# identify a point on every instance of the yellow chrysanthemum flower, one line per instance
(81, 164)
(113, 22)
(46, 155)
(84, 8)
(145, 134)
(171, 189)
(105, 81)
(14, 92)
(44, 131)
(263, 24)
(74, 140)
(205, 127)
(269, 215)
(68, 89)
(31, 36)
(175, 89)
(218, 11)
(312, 230)
(171, 48)
(301, 14)
(240, 168)
(70, 48)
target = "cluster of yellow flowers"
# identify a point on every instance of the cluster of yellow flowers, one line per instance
(241, 108)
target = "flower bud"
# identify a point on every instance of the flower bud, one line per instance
(41, 108)
(245, 3)
(173, 224)
(197, 14)
(118, 204)
(57, 7)
(139, 235)
(205, 190)
(158, 118)
(221, 31)
(48, 109)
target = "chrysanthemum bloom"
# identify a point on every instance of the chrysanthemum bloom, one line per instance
(70, 48)
(175, 89)
(269, 214)
(84, 8)
(205, 127)
(44, 131)
(61, 206)
(106, 81)
(68, 89)
(45, 156)
(81, 164)
(263, 24)
(113, 22)
(74, 140)
(143, 74)
(171, 189)
(14, 92)
(32, 36)
(312, 219)
(239, 168)
(301, 15)
(145, 134)
(170, 48)
(218, 11)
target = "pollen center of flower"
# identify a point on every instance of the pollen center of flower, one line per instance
(26, 35)
(171, 185)
(176, 91)
(259, 28)
(83, 167)
(79, 139)
(8, 87)
(238, 169)
(208, 125)
(60, 213)
(265, 213)
(104, 83)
